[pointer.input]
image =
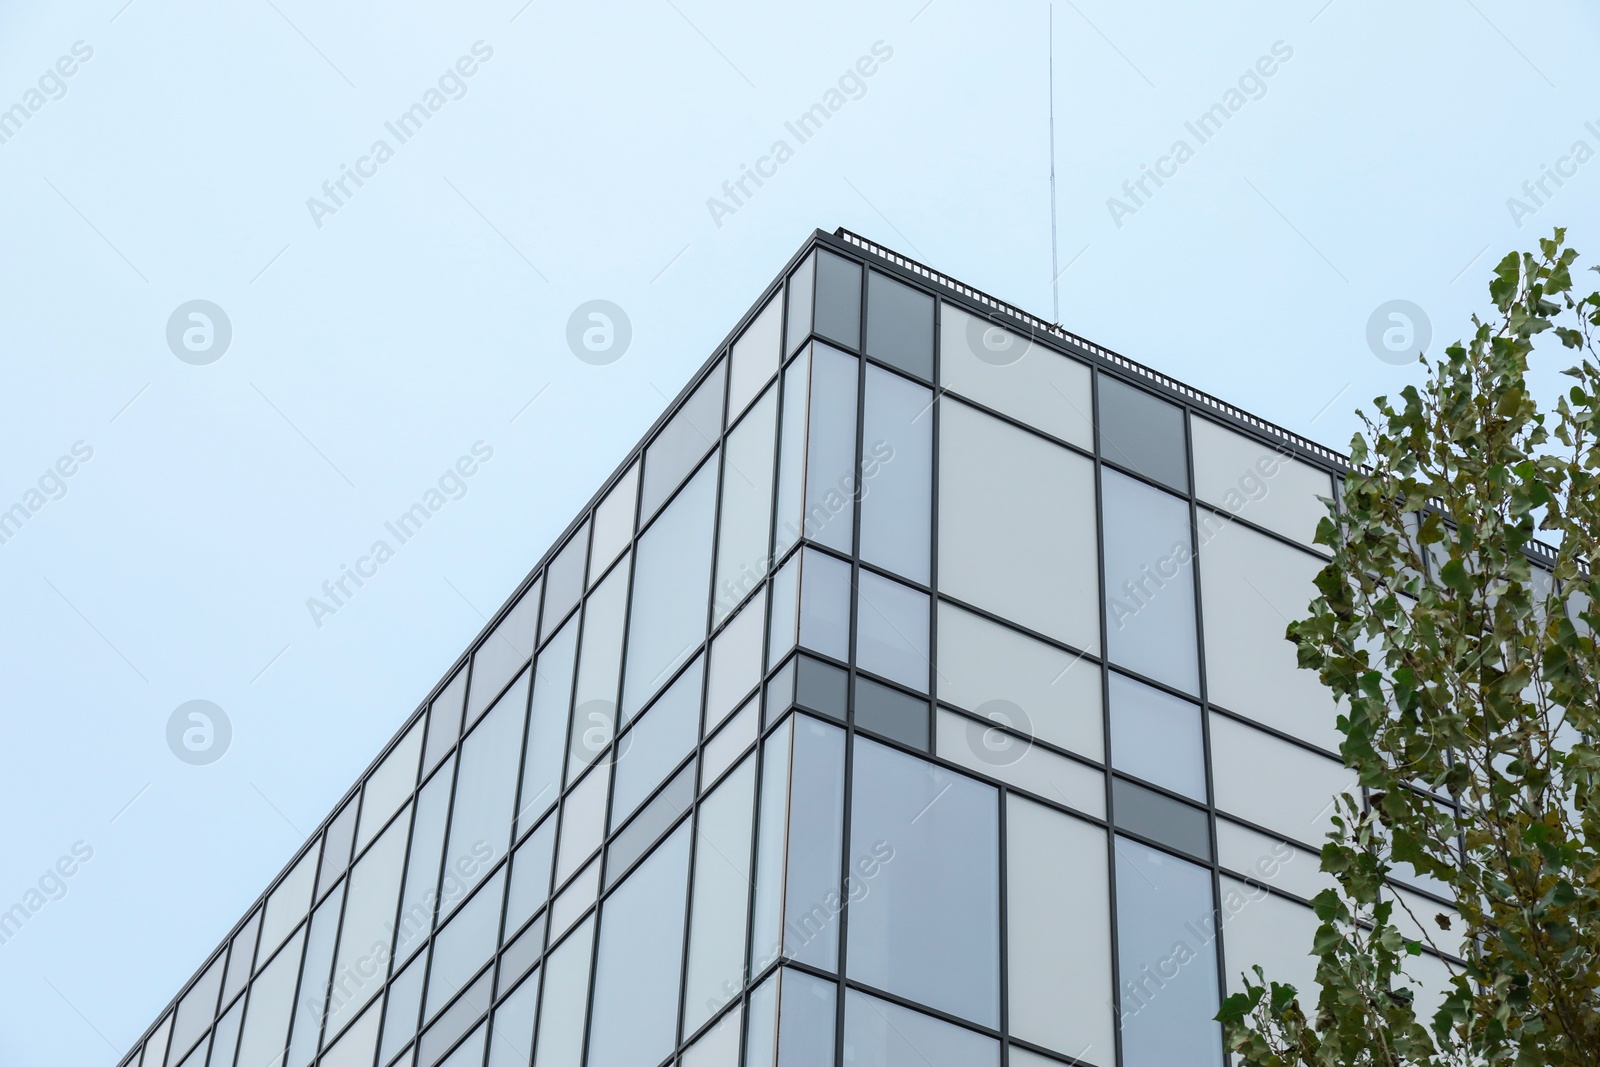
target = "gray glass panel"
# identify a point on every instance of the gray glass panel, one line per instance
(575, 900)
(736, 661)
(655, 744)
(929, 928)
(766, 917)
(563, 582)
(520, 957)
(503, 653)
(880, 1034)
(1160, 818)
(197, 1009)
(480, 820)
(240, 957)
(672, 578)
(271, 1000)
(812, 901)
(544, 758)
(683, 442)
(664, 809)
(336, 845)
(832, 480)
(802, 285)
(467, 1054)
(613, 523)
(566, 992)
(403, 1008)
(511, 1029)
(444, 721)
(780, 693)
(367, 934)
(825, 604)
(465, 943)
(820, 687)
(745, 527)
(389, 786)
(639, 959)
(530, 875)
(891, 713)
(899, 325)
(594, 701)
(1149, 555)
(792, 456)
(1143, 433)
(225, 1038)
(439, 1038)
(583, 822)
(806, 1018)
(721, 897)
(755, 357)
(897, 475)
(312, 1000)
(1167, 959)
(1157, 736)
(892, 630)
(422, 866)
(838, 299)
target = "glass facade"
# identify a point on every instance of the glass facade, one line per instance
(915, 693)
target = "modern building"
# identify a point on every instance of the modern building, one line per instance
(914, 695)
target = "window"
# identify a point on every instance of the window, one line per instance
(664, 810)
(721, 897)
(891, 713)
(718, 1046)
(824, 605)
(511, 1031)
(1259, 482)
(1269, 860)
(1017, 526)
(679, 446)
(356, 1047)
(892, 631)
(288, 903)
(444, 721)
(503, 653)
(312, 1002)
(1160, 818)
(735, 661)
(1270, 932)
(566, 992)
(486, 795)
(929, 927)
(802, 290)
(613, 523)
(240, 957)
(465, 943)
(403, 1007)
(336, 843)
(755, 357)
(878, 1033)
(365, 937)
(197, 1009)
(838, 299)
(1142, 433)
(530, 876)
(422, 866)
(655, 744)
(832, 478)
(1157, 737)
(266, 1020)
(1150, 617)
(563, 582)
(900, 325)
(746, 522)
(1273, 783)
(583, 822)
(594, 704)
(1007, 372)
(897, 475)
(983, 747)
(389, 786)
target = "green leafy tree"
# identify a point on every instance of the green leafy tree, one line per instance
(1467, 672)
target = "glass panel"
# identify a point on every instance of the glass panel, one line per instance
(613, 523)
(480, 821)
(288, 903)
(197, 1009)
(566, 994)
(404, 1006)
(266, 1021)
(718, 1046)
(673, 575)
(682, 442)
(1150, 619)
(1018, 681)
(543, 760)
(1273, 783)
(1017, 532)
(721, 897)
(594, 710)
(389, 786)
(1167, 959)
(422, 865)
(465, 943)
(312, 1000)
(655, 745)
(639, 960)
(785, 600)
(155, 1049)
(445, 1032)
(504, 652)
(899, 325)
(761, 1041)
(240, 957)
(801, 290)
(1269, 860)
(1259, 584)
(666, 808)
(368, 931)
(880, 1034)
(891, 713)
(838, 299)
(225, 1038)
(1266, 486)
(574, 900)
(766, 920)
(336, 847)
(1160, 818)
(792, 456)
(735, 661)
(1058, 908)
(805, 1026)
(522, 955)
(511, 1031)
(1008, 372)
(897, 474)
(812, 902)
(583, 822)
(831, 477)
(444, 721)
(530, 875)
(825, 604)
(929, 929)
(1268, 931)
(563, 582)
(1157, 737)
(196, 1057)
(732, 742)
(746, 523)
(355, 1048)
(982, 747)
(892, 631)
(820, 687)
(755, 357)
(1143, 433)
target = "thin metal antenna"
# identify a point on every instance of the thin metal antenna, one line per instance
(1055, 274)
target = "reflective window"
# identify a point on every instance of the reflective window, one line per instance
(755, 357)
(522, 955)
(784, 598)
(480, 820)
(730, 743)
(613, 523)
(672, 579)
(403, 1007)
(155, 1049)
(468, 1054)
(1273, 783)
(1270, 932)
(1160, 818)
(336, 845)
(449, 1027)
(929, 929)
(878, 1033)
(503, 653)
(735, 661)
(444, 721)
(594, 704)
(664, 809)
(422, 865)
(357, 1047)
(389, 786)
(225, 1038)
(766, 916)
(897, 474)
(761, 1024)
(891, 713)
(1157, 737)
(465, 943)
(900, 325)
(982, 746)
(721, 897)
(802, 287)
(266, 1017)
(1142, 433)
(838, 314)
(288, 903)
(511, 1030)
(1008, 372)
(1017, 529)
(240, 957)
(566, 992)
(831, 475)
(816, 839)
(1058, 908)
(311, 1001)
(572, 902)
(1150, 617)
(1039, 690)
(639, 960)
(547, 727)
(655, 744)
(792, 456)
(1166, 959)
(892, 631)
(583, 822)
(805, 1026)
(530, 875)
(818, 686)
(563, 582)
(719, 1046)
(368, 931)
(681, 444)
(746, 522)
(1267, 859)
(197, 1009)
(825, 604)
(1260, 483)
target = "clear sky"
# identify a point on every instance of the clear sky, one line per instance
(378, 337)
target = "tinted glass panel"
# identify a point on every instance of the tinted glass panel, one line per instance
(1244, 477)
(897, 475)
(240, 957)
(792, 456)
(288, 903)
(892, 630)
(503, 653)
(1157, 737)
(735, 661)
(1008, 372)
(337, 843)
(746, 523)
(266, 1019)
(422, 866)
(984, 748)
(547, 727)
(721, 897)
(891, 713)
(530, 875)
(1149, 558)
(563, 581)
(656, 744)
(566, 993)
(802, 285)
(197, 1009)
(594, 703)
(1160, 818)
(389, 786)
(368, 930)
(444, 721)
(816, 838)
(825, 604)
(465, 943)
(900, 325)
(831, 476)
(683, 442)
(755, 357)
(1143, 433)
(639, 836)
(839, 299)
(511, 1030)
(613, 523)
(583, 822)
(880, 1034)
(480, 821)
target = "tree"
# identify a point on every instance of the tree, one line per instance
(1465, 671)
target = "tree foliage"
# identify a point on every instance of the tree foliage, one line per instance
(1467, 673)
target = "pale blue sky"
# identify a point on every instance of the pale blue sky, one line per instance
(371, 352)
